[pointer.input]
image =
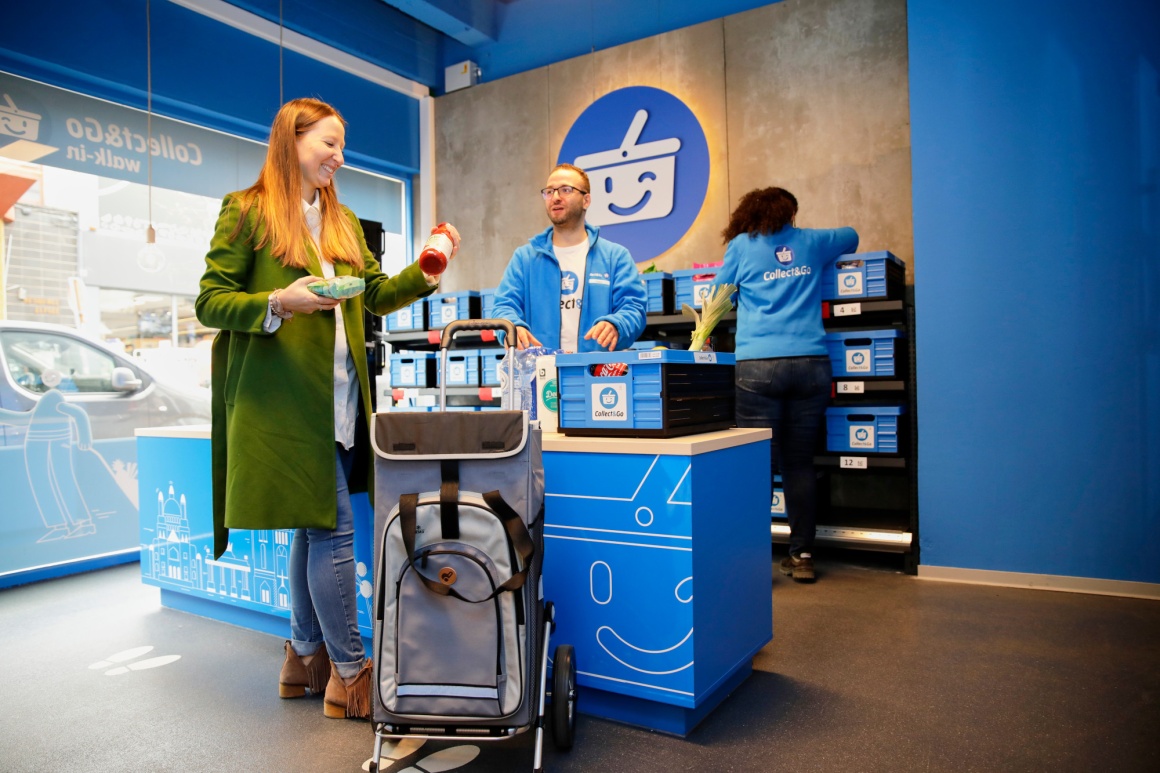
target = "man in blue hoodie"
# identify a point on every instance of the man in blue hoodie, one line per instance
(602, 299)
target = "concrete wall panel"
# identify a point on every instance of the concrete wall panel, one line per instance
(811, 96)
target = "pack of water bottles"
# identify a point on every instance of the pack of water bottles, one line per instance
(521, 396)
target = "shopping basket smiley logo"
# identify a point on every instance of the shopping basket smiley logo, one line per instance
(862, 435)
(858, 358)
(14, 122)
(647, 160)
(784, 255)
(608, 398)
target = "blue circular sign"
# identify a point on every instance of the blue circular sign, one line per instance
(648, 162)
(608, 398)
(784, 255)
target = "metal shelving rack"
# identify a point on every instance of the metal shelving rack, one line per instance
(870, 501)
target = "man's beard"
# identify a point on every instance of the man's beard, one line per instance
(568, 217)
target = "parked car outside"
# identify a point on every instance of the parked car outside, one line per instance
(117, 393)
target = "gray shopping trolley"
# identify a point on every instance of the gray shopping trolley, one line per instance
(461, 631)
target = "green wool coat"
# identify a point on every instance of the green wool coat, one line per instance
(273, 393)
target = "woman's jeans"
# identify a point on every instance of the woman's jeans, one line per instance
(323, 590)
(789, 395)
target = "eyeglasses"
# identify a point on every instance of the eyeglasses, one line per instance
(564, 190)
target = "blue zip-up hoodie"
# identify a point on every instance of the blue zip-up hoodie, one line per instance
(529, 293)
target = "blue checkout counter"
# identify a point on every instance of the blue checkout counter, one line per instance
(656, 556)
(249, 585)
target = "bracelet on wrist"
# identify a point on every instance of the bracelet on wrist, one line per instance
(276, 306)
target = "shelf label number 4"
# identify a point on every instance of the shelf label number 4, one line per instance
(847, 309)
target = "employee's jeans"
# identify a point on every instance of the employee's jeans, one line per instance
(789, 395)
(323, 590)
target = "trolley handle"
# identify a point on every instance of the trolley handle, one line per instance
(456, 325)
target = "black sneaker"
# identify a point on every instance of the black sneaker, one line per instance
(800, 567)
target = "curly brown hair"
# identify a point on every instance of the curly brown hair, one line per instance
(763, 211)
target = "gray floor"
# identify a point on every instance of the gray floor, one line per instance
(869, 670)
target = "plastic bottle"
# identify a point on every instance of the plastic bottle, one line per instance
(436, 251)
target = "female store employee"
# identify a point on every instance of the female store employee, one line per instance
(291, 392)
(783, 372)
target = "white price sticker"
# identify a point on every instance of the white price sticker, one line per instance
(853, 462)
(847, 309)
(851, 387)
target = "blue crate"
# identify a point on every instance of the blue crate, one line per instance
(443, 308)
(412, 369)
(878, 275)
(486, 303)
(462, 368)
(866, 353)
(690, 290)
(664, 393)
(489, 366)
(658, 286)
(411, 317)
(863, 429)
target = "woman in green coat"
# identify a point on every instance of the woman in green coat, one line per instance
(291, 390)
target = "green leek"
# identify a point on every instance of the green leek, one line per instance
(715, 305)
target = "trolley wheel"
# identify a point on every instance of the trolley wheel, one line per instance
(564, 696)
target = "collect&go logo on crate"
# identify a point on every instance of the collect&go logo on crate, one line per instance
(608, 402)
(648, 161)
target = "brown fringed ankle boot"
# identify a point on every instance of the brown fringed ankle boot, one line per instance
(349, 697)
(298, 676)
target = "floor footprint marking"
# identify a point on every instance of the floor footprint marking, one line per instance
(142, 665)
(397, 750)
(445, 759)
(121, 657)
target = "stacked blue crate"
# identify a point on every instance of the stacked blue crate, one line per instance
(410, 317)
(871, 429)
(487, 302)
(444, 308)
(412, 369)
(658, 286)
(866, 353)
(865, 275)
(462, 368)
(692, 284)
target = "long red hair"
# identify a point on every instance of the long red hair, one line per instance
(278, 195)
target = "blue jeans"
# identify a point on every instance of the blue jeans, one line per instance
(323, 590)
(789, 395)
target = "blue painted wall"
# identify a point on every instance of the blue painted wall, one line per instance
(534, 33)
(204, 72)
(1036, 146)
